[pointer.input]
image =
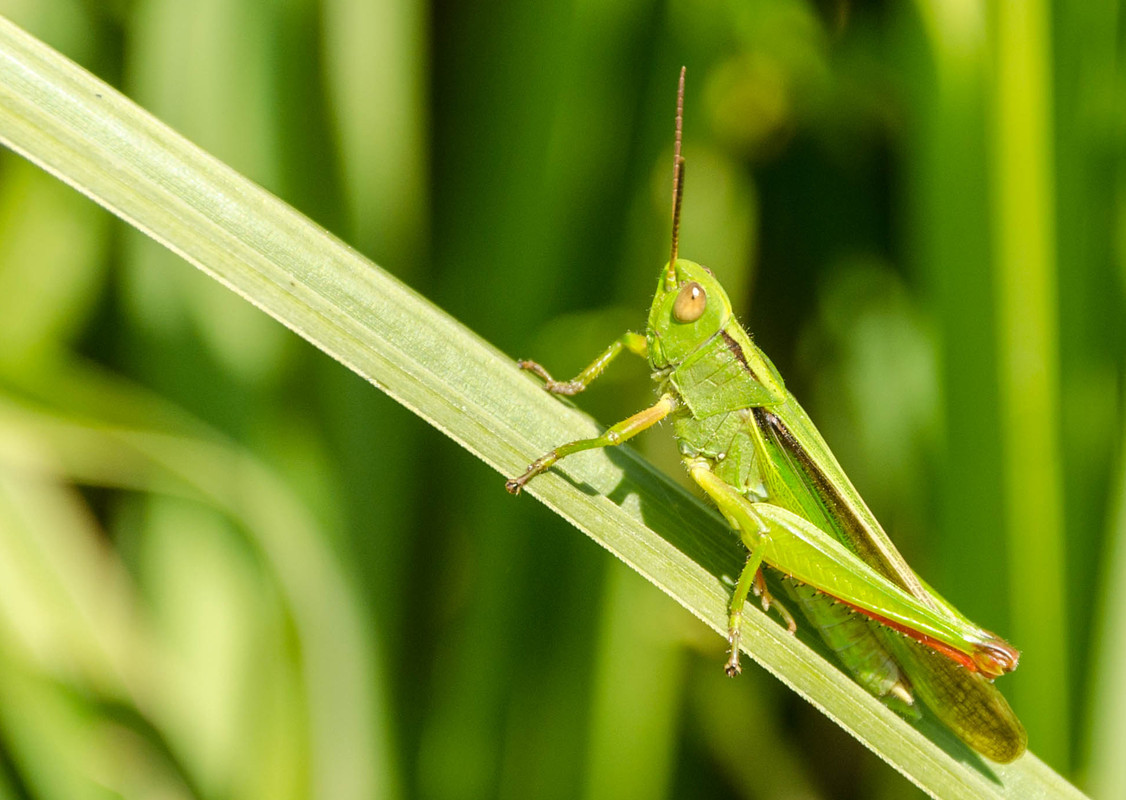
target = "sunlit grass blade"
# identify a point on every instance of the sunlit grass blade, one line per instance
(84, 132)
(1028, 333)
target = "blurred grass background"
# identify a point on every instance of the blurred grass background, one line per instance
(915, 208)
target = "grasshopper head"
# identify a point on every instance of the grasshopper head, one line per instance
(690, 307)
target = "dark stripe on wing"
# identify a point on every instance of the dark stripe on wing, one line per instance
(852, 533)
(734, 347)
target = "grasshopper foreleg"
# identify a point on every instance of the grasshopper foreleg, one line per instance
(634, 342)
(614, 435)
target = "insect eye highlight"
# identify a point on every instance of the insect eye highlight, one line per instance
(690, 302)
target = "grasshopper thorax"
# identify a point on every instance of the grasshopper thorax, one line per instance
(686, 313)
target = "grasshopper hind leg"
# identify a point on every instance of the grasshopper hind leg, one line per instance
(735, 612)
(751, 578)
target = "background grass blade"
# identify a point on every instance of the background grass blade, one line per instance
(1026, 316)
(84, 132)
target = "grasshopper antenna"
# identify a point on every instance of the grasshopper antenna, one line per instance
(677, 184)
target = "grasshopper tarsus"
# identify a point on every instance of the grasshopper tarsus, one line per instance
(536, 368)
(563, 387)
(733, 667)
(541, 464)
(514, 485)
(549, 383)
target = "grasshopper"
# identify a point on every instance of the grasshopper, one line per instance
(755, 453)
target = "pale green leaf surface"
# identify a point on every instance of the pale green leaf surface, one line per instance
(90, 136)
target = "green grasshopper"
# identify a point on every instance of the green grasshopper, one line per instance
(754, 451)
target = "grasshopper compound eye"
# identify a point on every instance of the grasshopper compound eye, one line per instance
(690, 303)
